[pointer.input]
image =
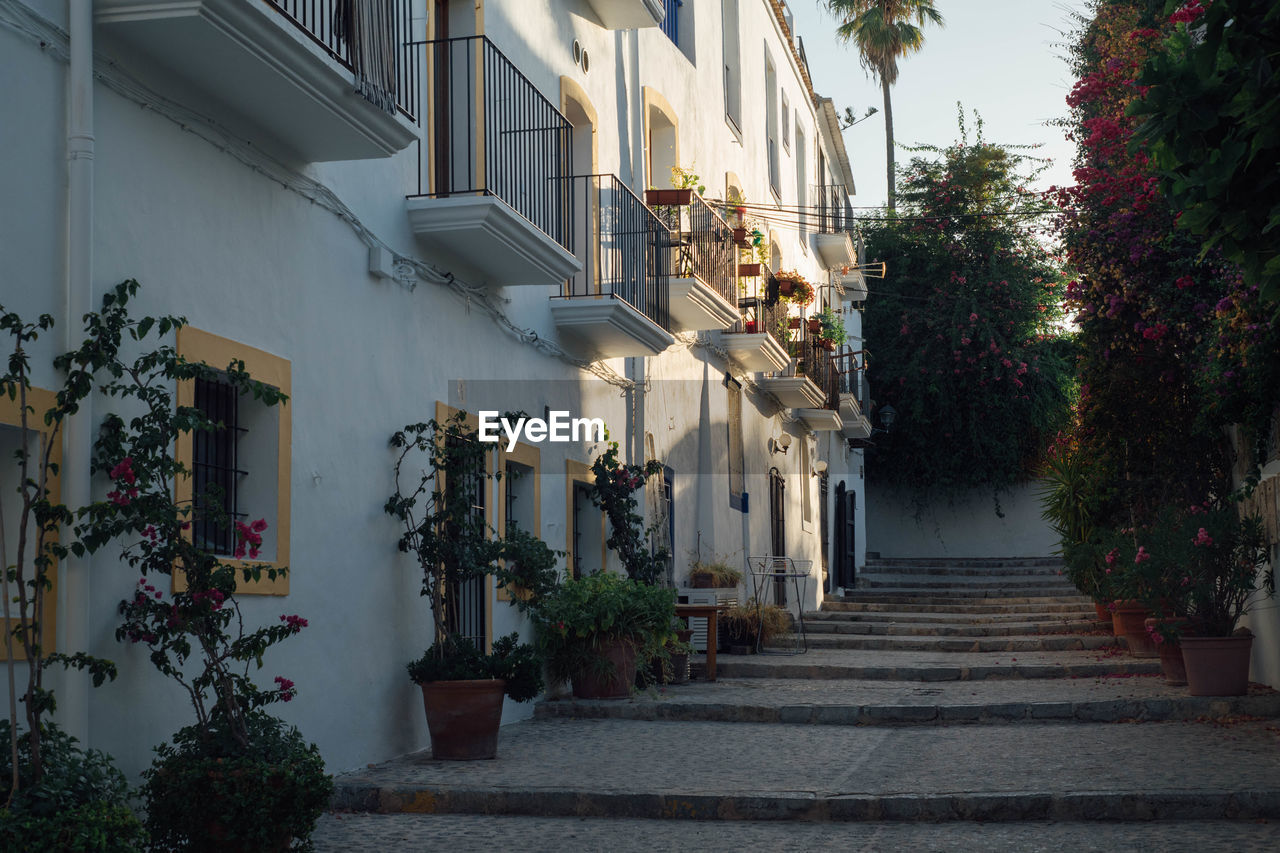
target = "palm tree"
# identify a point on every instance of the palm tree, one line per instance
(885, 31)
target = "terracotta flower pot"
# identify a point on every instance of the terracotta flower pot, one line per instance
(1170, 652)
(1129, 620)
(827, 344)
(702, 581)
(786, 286)
(748, 270)
(751, 327)
(463, 717)
(1104, 615)
(667, 197)
(1217, 666)
(740, 238)
(616, 684)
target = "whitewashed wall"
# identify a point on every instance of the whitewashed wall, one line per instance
(964, 527)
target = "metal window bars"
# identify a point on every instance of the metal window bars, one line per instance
(465, 598)
(704, 245)
(491, 132)
(370, 38)
(624, 248)
(215, 468)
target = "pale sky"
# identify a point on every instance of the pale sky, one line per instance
(1001, 57)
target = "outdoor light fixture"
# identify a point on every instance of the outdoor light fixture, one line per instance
(887, 415)
(780, 444)
(819, 467)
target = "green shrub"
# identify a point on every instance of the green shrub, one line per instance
(216, 795)
(80, 803)
(518, 665)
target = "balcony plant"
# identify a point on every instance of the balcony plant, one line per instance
(714, 572)
(684, 181)
(591, 630)
(793, 287)
(462, 687)
(832, 327)
(237, 778)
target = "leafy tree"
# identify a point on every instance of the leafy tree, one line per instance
(1210, 104)
(885, 31)
(966, 339)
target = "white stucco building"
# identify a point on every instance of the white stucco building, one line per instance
(391, 209)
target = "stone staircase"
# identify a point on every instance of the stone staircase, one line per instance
(968, 690)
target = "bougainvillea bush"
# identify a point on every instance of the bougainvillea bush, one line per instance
(965, 328)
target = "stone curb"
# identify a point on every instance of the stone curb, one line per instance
(361, 795)
(1096, 711)
(822, 639)
(816, 624)
(728, 668)
(920, 606)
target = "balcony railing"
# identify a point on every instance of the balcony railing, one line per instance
(817, 363)
(368, 37)
(835, 214)
(491, 132)
(704, 244)
(625, 249)
(765, 313)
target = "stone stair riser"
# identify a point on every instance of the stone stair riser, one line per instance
(963, 644)
(815, 625)
(743, 667)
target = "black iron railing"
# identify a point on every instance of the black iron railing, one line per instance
(624, 248)
(705, 245)
(816, 362)
(764, 313)
(370, 38)
(491, 132)
(835, 213)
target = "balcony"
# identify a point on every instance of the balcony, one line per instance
(616, 305)
(757, 342)
(854, 423)
(704, 276)
(493, 191)
(854, 285)
(836, 240)
(819, 367)
(630, 14)
(328, 81)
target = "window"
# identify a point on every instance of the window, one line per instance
(732, 63)
(584, 522)
(737, 462)
(806, 493)
(786, 124)
(771, 123)
(671, 21)
(40, 401)
(244, 466)
(802, 184)
(520, 496)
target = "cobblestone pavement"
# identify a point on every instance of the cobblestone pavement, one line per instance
(359, 833)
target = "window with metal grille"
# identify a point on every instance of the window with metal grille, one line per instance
(732, 63)
(465, 604)
(737, 463)
(824, 524)
(582, 519)
(215, 467)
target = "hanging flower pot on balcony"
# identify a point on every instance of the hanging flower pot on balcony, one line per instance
(827, 344)
(748, 270)
(786, 286)
(815, 325)
(740, 238)
(793, 322)
(667, 197)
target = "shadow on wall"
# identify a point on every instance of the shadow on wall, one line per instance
(966, 526)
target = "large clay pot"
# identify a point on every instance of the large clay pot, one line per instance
(615, 684)
(1170, 652)
(463, 717)
(1128, 620)
(1104, 615)
(1217, 666)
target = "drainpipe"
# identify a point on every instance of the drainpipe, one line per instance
(73, 583)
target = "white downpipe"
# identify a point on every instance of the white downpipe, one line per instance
(73, 583)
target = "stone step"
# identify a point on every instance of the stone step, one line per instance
(828, 664)
(872, 570)
(1012, 643)
(782, 771)
(855, 703)
(966, 562)
(939, 616)
(960, 582)
(935, 595)
(404, 833)
(891, 604)
(819, 623)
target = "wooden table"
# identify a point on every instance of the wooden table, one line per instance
(709, 612)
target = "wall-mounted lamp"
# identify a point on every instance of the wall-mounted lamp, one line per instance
(780, 444)
(819, 467)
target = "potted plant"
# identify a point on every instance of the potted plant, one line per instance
(794, 288)
(751, 625)
(462, 687)
(831, 327)
(748, 270)
(713, 573)
(1221, 580)
(684, 181)
(592, 629)
(1070, 497)
(752, 327)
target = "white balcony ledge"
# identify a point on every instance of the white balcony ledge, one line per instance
(855, 286)
(793, 391)
(756, 352)
(697, 307)
(835, 250)
(850, 408)
(506, 248)
(596, 327)
(858, 427)
(257, 63)
(628, 14)
(819, 420)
